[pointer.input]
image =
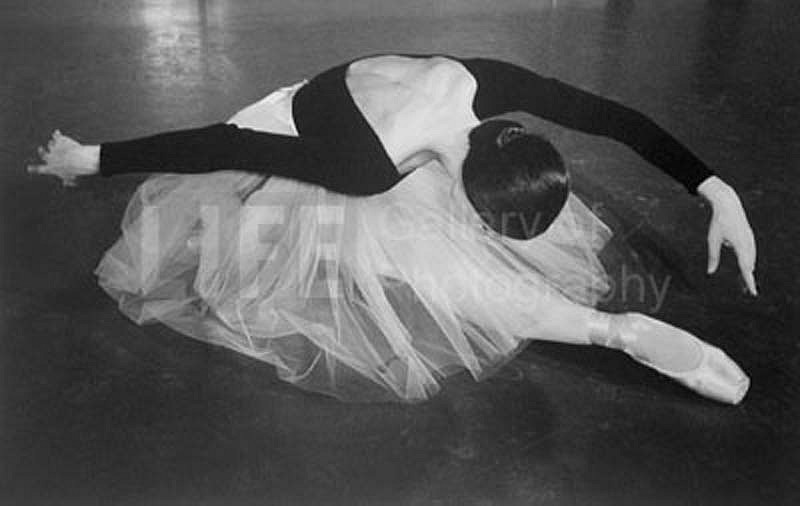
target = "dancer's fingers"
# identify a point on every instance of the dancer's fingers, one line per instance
(714, 247)
(40, 169)
(745, 248)
(750, 281)
(746, 258)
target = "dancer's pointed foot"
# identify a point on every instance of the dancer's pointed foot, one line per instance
(679, 355)
(717, 377)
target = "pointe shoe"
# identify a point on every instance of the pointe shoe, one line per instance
(716, 376)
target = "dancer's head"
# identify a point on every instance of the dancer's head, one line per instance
(515, 180)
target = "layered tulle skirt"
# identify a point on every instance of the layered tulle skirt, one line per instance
(363, 298)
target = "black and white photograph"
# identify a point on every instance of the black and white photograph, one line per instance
(413, 252)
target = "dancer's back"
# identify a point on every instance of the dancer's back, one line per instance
(420, 108)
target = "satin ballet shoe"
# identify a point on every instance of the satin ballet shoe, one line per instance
(716, 376)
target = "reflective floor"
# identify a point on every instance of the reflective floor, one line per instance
(95, 410)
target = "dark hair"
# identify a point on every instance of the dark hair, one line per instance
(516, 181)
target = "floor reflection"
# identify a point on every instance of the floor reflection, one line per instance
(718, 45)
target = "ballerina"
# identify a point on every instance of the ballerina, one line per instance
(377, 228)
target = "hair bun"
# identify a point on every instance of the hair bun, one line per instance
(509, 133)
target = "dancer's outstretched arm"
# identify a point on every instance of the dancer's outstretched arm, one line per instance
(221, 146)
(504, 87)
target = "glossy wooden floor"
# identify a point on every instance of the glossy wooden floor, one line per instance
(95, 410)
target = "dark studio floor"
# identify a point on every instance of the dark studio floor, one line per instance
(96, 410)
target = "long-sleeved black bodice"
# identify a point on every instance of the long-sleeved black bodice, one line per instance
(337, 149)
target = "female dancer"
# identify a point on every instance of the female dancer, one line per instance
(374, 229)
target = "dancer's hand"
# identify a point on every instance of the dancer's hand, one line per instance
(67, 159)
(729, 226)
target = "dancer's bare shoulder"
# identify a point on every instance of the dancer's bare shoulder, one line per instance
(415, 105)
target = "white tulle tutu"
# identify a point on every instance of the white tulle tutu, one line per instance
(363, 298)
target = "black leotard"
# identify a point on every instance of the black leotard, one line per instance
(337, 149)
